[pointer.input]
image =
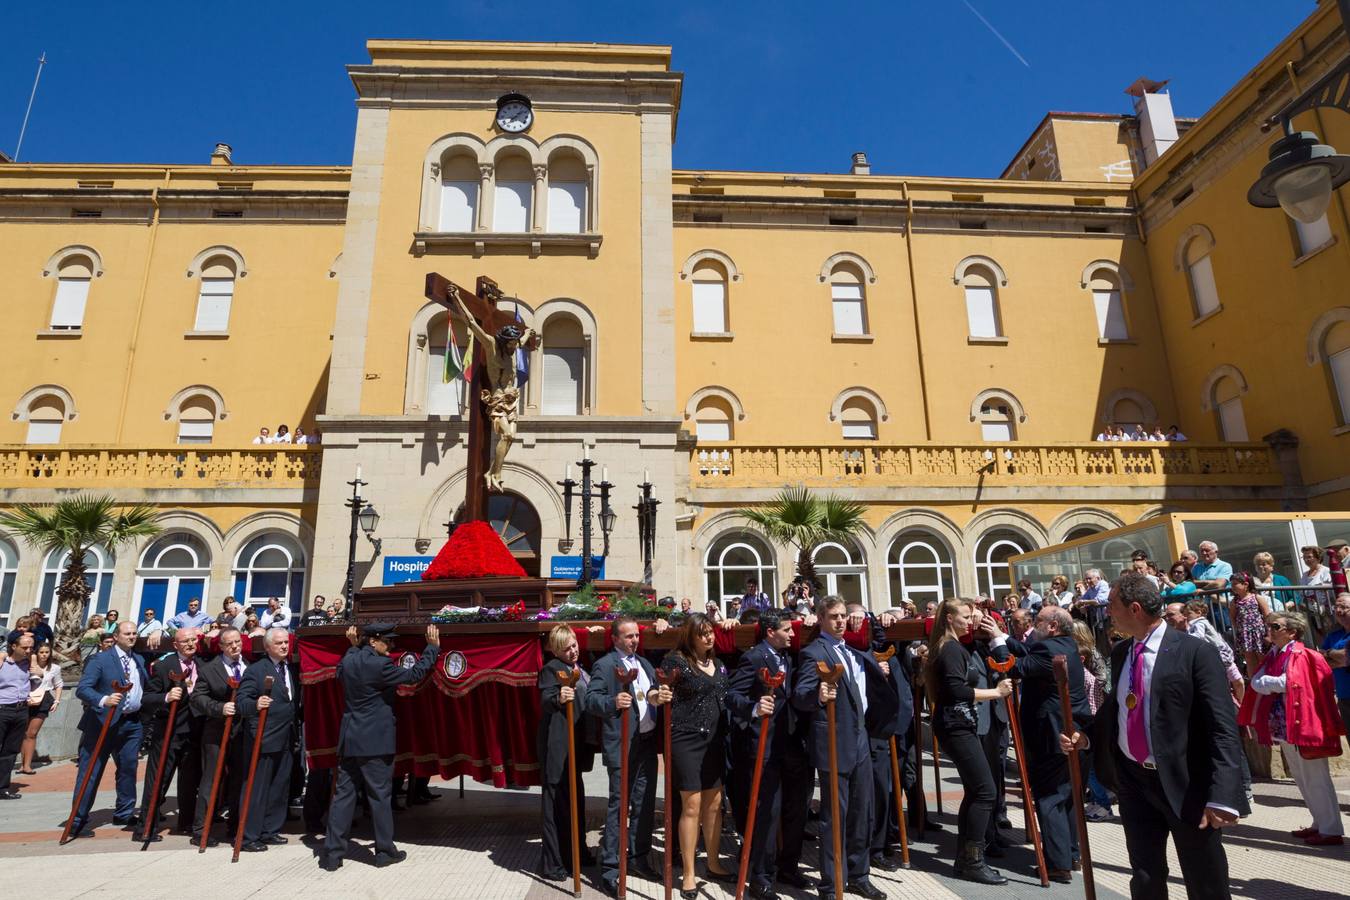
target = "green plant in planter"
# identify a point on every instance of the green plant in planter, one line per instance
(633, 602)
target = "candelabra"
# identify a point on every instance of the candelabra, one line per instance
(589, 492)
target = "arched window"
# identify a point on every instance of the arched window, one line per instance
(1127, 414)
(517, 523)
(445, 362)
(1336, 352)
(9, 571)
(566, 193)
(982, 310)
(174, 569)
(98, 574)
(991, 560)
(858, 417)
(1108, 305)
(713, 420)
(1200, 274)
(731, 561)
(709, 293)
(997, 420)
(1082, 531)
(270, 565)
(216, 295)
(563, 353)
(196, 420)
(1232, 422)
(46, 413)
(513, 194)
(848, 300)
(72, 292)
(459, 192)
(919, 569)
(841, 569)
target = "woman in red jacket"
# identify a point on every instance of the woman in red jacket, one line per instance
(1293, 702)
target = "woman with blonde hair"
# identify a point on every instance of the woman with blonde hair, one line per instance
(93, 633)
(950, 680)
(556, 852)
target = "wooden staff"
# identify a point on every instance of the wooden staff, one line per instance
(252, 770)
(220, 768)
(1019, 748)
(175, 679)
(118, 687)
(885, 656)
(624, 676)
(830, 674)
(771, 682)
(570, 679)
(916, 733)
(1061, 664)
(937, 761)
(668, 679)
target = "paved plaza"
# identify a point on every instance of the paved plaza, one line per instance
(486, 845)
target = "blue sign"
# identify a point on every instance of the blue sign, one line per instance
(398, 569)
(570, 567)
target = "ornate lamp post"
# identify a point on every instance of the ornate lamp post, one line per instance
(646, 517)
(1303, 172)
(367, 519)
(589, 491)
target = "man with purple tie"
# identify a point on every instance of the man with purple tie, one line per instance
(1167, 739)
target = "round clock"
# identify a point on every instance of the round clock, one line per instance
(514, 113)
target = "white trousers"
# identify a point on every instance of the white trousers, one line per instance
(1313, 777)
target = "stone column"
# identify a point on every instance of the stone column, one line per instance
(540, 222)
(1285, 445)
(485, 198)
(658, 268)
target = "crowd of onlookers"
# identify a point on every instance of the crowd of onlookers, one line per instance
(1138, 432)
(283, 435)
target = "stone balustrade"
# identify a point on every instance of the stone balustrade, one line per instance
(94, 467)
(734, 465)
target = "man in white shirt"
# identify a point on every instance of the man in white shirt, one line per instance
(277, 615)
(192, 618)
(264, 436)
(1027, 598)
(149, 624)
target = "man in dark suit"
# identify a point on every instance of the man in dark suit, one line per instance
(1166, 738)
(863, 692)
(555, 852)
(1042, 720)
(881, 731)
(212, 705)
(366, 742)
(606, 700)
(184, 744)
(787, 779)
(117, 664)
(271, 781)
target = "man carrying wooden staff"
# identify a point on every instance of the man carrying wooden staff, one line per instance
(222, 767)
(636, 774)
(863, 685)
(176, 736)
(271, 785)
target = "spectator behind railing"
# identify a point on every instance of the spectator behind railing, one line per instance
(1174, 434)
(263, 437)
(1265, 576)
(110, 621)
(1342, 551)
(283, 435)
(1177, 582)
(1317, 574)
(1336, 650)
(1249, 610)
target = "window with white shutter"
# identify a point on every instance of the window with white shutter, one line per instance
(566, 207)
(43, 431)
(562, 381)
(1110, 315)
(710, 306)
(980, 314)
(847, 301)
(213, 302)
(1339, 363)
(195, 431)
(1232, 421)
(68, 308)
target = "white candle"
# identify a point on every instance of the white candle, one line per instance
(646, 478)
(568, 474)
(358, 471)
(604, 473)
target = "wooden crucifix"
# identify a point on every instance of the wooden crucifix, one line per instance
(493, 394)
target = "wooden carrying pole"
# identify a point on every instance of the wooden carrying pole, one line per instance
(937, 761)
(667, 679)
(252, 770)
(830, 674)
(118, 688)
(771, 682)
(896, 784)
(570, 679)
(1019, 748)
(916, 732)
(220, 770)
(1061, 664)
(624, 676)
(148, 828)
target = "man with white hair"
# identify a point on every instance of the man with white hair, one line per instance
(271, 782)
(1211, 573)
(173, 678)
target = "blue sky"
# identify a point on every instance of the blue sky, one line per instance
(925, 88)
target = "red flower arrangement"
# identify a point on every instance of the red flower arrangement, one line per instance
(475, 550)
(515, 612)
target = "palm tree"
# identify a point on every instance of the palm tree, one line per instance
(74, 525)
(804, 520)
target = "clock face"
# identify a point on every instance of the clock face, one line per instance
(514, 117)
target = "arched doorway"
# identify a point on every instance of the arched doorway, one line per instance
(517, 523)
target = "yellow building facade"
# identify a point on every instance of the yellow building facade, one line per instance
(944, 350)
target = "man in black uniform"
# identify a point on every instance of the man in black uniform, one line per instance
(366, 742)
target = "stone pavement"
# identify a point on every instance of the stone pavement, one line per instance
(485, 845)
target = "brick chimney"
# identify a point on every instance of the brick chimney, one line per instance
(221, 156)
(860, 164)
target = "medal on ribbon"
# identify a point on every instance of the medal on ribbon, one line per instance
(1131, 701)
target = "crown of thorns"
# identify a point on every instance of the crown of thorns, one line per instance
(510, 333)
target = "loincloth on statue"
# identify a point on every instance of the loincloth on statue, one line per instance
(501, 402)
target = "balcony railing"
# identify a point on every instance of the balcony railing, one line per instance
(881, 465)
(159, 467)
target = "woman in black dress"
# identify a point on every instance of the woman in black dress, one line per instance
(697, 744)
(950, 680)
(556, 851)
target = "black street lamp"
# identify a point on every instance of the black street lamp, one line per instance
(367, 519)
(1303, 172)
(587, 493)
(646, 516)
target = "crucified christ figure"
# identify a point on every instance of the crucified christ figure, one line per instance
(501, 397)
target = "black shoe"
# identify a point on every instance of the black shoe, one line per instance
(329, 864)
(1004, 822)
(383, 859)
(154, 838)
(10, 795)
(210, 841)
(254, 847)
(426, 795)
(640, 868)
(276, 839)
(797, 880)
(555, 875)
(611, 888)
(684, 895)
(82, 833)
(1061, 876)
(884, 864)
(864, 889)
(763, 892)
(123, 821)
